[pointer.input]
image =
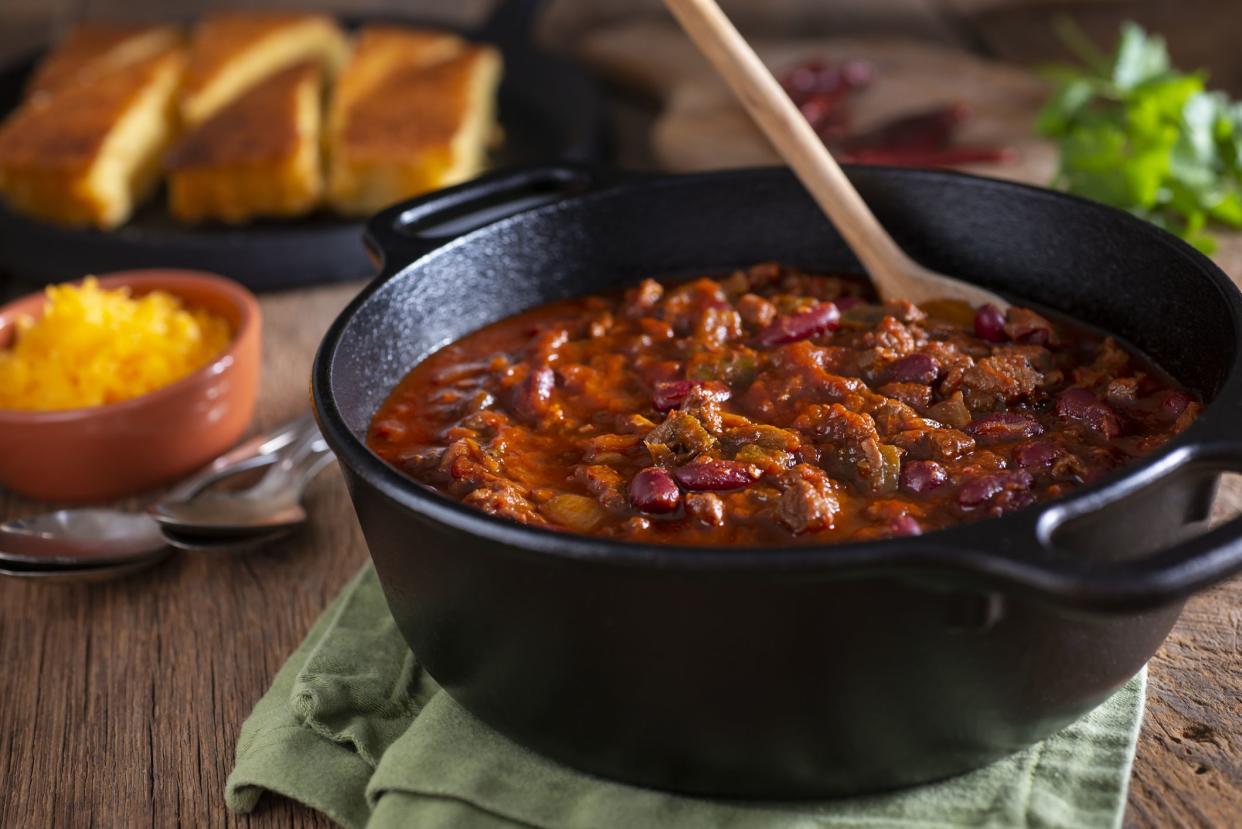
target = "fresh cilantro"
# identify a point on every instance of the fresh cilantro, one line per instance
(1136, 133)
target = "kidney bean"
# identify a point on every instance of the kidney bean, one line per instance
(1027, 327)
(1081, 405)
(914, 368)
(980, 490)
(653, 490)
(669, 395)
(716, 475)
(809, 323)
(905, 525)
(1173, 403)
(990, 323)
(1004, 426)
(532, 395)
(1036, 455)
(846, 302)
(922, 476)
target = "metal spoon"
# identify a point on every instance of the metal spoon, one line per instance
(217, 543)
(73, 541)
(58, 575)
(79, 538)
(274, 503)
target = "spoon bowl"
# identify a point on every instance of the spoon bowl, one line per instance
(225, 516)
(92, 544)
(200, 543)
(79, 574)
(272, 504)
(80, 538)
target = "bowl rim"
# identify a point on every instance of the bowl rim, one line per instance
(148, 279)
(962, 548)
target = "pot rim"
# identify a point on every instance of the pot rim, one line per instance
(1011, 550)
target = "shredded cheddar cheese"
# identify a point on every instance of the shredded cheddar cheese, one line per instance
(94, 346)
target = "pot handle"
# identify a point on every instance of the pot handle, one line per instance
(1038, 564)
(411, 229)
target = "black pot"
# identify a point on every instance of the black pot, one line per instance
(786, 672)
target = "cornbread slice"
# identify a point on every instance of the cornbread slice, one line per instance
(88, 154)
(232, 51)
(94, 49)
(258, 156)
(414, 111)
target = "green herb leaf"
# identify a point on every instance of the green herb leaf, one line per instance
(1140, 57)
(1136, 133)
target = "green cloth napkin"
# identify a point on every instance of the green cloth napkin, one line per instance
(354, 728)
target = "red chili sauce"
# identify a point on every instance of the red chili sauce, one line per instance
(771, 407)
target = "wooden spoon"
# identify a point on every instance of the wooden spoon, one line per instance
(895, 275)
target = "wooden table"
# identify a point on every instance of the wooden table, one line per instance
(120, 703)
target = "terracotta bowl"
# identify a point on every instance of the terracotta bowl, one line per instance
(105, 452)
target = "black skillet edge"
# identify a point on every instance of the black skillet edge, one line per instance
(1011, 551)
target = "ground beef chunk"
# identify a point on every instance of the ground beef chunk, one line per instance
(642, 298)
(915, 395)
(717, 326)
(706, 507)
(893, 337)
(678, 439)
(836, 423)
(487, 423)
(893, 416)
(951, 411)
(904, 310)
(421, 459)
(806, 503)
(756, 311)
(994, 381)
(1122, 393)
(703, 404)
(1111, 361)
(505, 500)
(605, 483)
(929, 444)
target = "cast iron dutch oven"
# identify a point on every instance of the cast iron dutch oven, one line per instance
(785, 672)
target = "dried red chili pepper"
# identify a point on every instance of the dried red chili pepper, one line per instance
(946, 157)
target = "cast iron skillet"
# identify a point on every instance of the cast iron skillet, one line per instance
(796, 671)
(549, 109)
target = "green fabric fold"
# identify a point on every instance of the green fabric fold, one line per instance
(354, 728)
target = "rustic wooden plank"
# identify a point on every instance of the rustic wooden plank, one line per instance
(120, 704)
(1200, 33)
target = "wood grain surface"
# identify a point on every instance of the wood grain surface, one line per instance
(120, 703)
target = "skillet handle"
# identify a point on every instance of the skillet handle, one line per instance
(1171, 574)
(411, 229)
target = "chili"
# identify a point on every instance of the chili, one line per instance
(771, 406)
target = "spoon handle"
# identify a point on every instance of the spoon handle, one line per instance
(793, 136)
(894, 274)
(250, 454)
(296, 465)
